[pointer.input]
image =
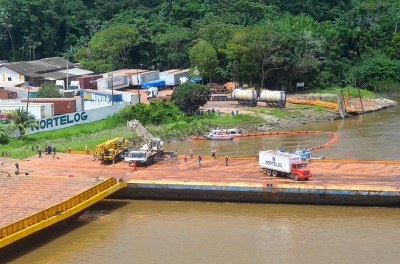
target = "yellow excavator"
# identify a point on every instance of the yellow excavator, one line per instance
(114, 147)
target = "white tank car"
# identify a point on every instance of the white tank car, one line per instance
(245, 97)
(273, 98)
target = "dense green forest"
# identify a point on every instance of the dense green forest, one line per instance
(272, 43)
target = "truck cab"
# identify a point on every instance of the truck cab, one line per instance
(152, 92)
(75, 86)
(300, 171)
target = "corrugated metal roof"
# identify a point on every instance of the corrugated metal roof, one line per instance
(38, 67)
(77, 72)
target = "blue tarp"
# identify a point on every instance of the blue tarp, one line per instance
(155, 83)
(196, 79)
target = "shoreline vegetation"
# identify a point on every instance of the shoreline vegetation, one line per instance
(249, 120)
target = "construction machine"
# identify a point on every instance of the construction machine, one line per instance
(150, 152)
(114, 147)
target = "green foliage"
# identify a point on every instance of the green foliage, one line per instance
(115, 126)
(48, 90)
(204, 58)
(4, 138)
(114, 44)
(278, 112)
(23, 120)
(189, 97)
(270, 43)
(377, 68)
(155, 113)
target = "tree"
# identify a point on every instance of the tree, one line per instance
(23, 120)
(204, 58)
(172, 46)
(4, 138)
(48, 90)
(258, 49)
(189, 96)
(114, 44)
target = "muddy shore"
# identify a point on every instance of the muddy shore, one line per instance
(295, 117)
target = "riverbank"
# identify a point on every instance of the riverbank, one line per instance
(249, 119)
(295, 115)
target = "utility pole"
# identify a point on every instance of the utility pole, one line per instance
(27, 104)
(137, 76)
(111, 76)
(66, 87)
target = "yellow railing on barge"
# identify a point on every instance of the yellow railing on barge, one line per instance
(59, 212)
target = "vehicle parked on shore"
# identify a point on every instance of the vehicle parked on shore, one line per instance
(150, 152)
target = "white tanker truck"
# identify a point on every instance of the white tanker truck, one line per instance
(247, 97)
(273, 98)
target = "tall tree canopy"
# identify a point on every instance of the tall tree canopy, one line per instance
(318, 42)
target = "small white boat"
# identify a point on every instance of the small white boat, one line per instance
(219, 135)
(229, 131)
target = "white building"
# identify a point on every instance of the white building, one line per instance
(36, 72)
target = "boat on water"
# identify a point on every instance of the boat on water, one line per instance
(305, 154)
(218, 135)
(230, 131)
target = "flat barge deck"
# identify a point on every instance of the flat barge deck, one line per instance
(347, 182)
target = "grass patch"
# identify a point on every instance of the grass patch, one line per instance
(95, 133)
(353, 91)
(278, 112)
(318, 108)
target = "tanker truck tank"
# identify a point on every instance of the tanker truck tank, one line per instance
(273, 98)
(245, 97)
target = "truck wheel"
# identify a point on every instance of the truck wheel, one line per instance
(274, 173)
(295, 177)
(269, 172)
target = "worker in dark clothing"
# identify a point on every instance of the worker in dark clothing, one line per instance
(226, 160)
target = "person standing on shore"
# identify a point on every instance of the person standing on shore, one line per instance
(200, 159)
(191, 153)
(226, 160)
(213, 153)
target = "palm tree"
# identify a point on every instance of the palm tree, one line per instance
(23, 120)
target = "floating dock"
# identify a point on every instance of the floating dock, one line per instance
(41, 200)
(344, 182)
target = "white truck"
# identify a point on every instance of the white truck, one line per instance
(152, 92)
(277, 163)
(60, 84)
(150, 152)
(75, 86)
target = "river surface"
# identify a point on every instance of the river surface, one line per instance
(120, 231)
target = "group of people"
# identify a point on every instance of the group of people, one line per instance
(200, 158)
(48, 150)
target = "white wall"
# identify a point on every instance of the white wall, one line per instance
(6, 73)
(68, 120)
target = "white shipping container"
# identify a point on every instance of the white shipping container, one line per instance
(39, 110)
(240, 94)
(116, 82)
(276, 160)
(168, 77)
(173, 77)
(272, 96)
(145, 77)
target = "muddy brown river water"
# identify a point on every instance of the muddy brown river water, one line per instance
(116, 231)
